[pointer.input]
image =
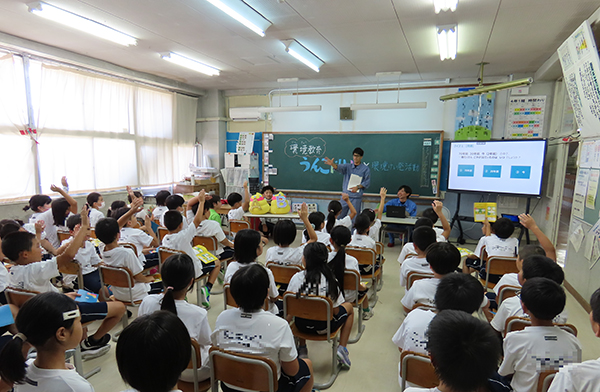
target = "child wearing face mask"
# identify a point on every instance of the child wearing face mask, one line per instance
(96, 202)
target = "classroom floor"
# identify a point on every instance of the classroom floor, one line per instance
(374, 358)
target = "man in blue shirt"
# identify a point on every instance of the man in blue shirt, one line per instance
(404, 193)
(354, 173)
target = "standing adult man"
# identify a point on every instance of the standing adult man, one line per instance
(357, 178)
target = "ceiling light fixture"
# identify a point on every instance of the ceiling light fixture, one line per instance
(82, 23)
(301, 53)
(391, 105)
(444, 5)
(244, 14)
(297, 108)
(447, 41)
(189, 63)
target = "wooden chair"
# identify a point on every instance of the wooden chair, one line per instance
(545, 379)
(497, 265)
(246, 371)
(282, 274)
(17, 297)
(211, 244)
(162, 232)
(352, 282)
(228, 298)
(424, 307)
(417, 369)
(366, 256)
(237, 225)
(63, 235)
(314, 308)
(515, 323)
(506, 291)
(414, 276)
(129, 246)
(402, 233)
(195, 364)
(73, 268)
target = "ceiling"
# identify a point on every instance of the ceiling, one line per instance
(355, 38)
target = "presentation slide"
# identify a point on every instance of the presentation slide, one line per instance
(504, 166)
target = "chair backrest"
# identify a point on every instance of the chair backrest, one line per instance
(283, 273)
(243, 370)
(497, 265)
(545, 379)
(229, 301)
(237, 225)
(506, 291)
(63, 235)
(365, 256)
(72, 268)
(417, 369)
(210, 243)
(413, 276)
(424, 307)
(515, 323)
(129, 246)
(162, 232)
(379, 248)
(18, 297)
(164, 253)
(310, 307)
(196, 358)
(118, 277)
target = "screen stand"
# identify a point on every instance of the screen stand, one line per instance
(523, 228)
(456, 218)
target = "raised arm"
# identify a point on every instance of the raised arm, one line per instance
(437, 207)
(303, 214)
(64, 259)
(382, 195)
(352, 212)
(136, 206)
(486, 229)
(331, 163)
(200, 212)
(64, 194)
(246, 202)
(529, 223)
(148, 225)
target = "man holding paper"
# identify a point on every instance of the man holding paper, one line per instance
(357, 177)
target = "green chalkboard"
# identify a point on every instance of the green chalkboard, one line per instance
(398, 158)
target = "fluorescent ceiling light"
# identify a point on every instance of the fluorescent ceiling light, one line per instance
(78, 22)
(444, 5)
(394, 105)
(447, 41)
(189, 63)
(244, 14)
(276, 109)
(297, 50)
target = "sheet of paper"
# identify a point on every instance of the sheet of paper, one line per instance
(592, 189)
(586, 154)
(595, 252)
(580, 193)
(354, 181)
(577, 236)
(588, 245)
(596, 155)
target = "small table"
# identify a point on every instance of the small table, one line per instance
(401, 221)
(268, 215)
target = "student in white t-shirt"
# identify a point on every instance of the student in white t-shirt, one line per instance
(38, 204)
(375, 216)
(160, 209)
(175, 203)
(583, 377)
(152, 351)
(96, 202)
(434, 214)
(51, 323)
(177, 275)
(132, 195)
(284, 234)
(250, 330)
(408, 250)
(361, 238)
(542, 346)
(455, 292)
(335, 209)
(464, 351)
(55, 217)
(423, 236)
(144, 241)
(317, 221)
(239, 204)
(210, 228)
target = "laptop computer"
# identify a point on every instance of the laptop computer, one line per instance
(396, 212)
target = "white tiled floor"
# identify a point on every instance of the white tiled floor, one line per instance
(374, 357)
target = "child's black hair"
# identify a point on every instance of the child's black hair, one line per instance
(8, 226)
(430, 213)
(37, 201)
(60, 210)
(234, 198)
(38, 320)
(595, 305)
(160, 332)
(15, 243)
(423, 222)
(423, 237)
(463, 349)
(117, 214)
(177, 272)
(161, 197)
(530, 250)
(174, 201)
(107, 230)
(370, 213)
(340, 236)
(284, 232)
(537, 266)
(115, 205)
(172, 219)
(245, 246)
(459, 292)
(503, 228)
(316, 219)
(362, 224)
(543, 297)
(443, 257)
(208, 204)
(137, 194)
(315, 258)
(333, 209)
(73, 220)
(93, 198)
(267, 188)
(407, 189)
(249, 287)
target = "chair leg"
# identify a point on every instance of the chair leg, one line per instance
(335, 368)
(361, 327)
(78, 361)
(124, 322)
(380, 281)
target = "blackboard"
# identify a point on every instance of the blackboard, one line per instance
(411, 158)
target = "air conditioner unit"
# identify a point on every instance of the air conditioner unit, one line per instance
(245, 114)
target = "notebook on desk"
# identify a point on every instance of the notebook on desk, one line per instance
(396, 212)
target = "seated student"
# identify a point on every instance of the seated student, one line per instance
(180, 238)
(51, 323)
(339, 262)
(375, 216)
(434, 213)
(210, 228)
(361, 238)
(542, 346)
(143, 241)
(160, 209)
(583, 377)
(266, 224)
(114, 206)
(443, 259)
(497, 241)
(96, 202)
(177, 275)
(174, 203)
(239, 205)
(250, 330)
(247, 246)
(334, 211)
(423, 236)
(55, 217)
(284, 234)
(319, 279)
(213, 203)
(38, 204)
(455, 292)
(404, 193)
(408, 250)
(464, 351)
(132, 195)
(317, 221)
(152, 352)
(32, 274)
(534, 266)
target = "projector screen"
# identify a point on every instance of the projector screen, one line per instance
(503, 166)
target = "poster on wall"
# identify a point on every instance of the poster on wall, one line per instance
(475, 110)
(525, 117)
(581, 69)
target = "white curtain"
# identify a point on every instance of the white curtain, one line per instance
(186, 110)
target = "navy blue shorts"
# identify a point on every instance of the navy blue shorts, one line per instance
(320, 327)
(92, 311)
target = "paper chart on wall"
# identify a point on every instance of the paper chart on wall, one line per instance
(526, 116)
(577, 235)
(596, 155)
(586, 154)
(592, 189)
(580, 192)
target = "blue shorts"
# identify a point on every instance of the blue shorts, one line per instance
(320, 327)
(92, 311)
